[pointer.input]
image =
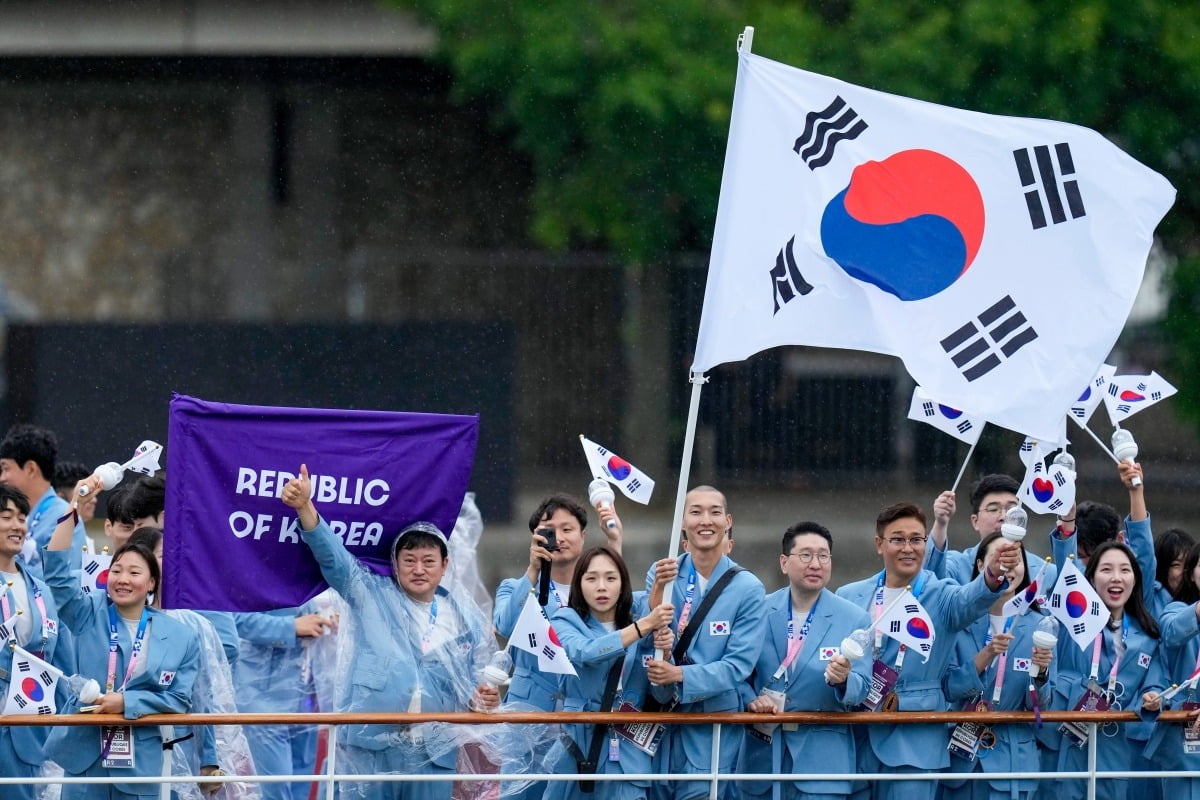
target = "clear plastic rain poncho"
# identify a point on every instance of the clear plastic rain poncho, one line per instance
(213, 694)
(399, 654)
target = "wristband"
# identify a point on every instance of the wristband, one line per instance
(639, 630)
(1064, 519)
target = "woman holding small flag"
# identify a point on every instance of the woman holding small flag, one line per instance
(1120, 669)
(606, 629)
(146, 662)
(998, 666)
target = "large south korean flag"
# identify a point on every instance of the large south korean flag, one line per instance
(952, 239)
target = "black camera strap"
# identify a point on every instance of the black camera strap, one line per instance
(599, 733)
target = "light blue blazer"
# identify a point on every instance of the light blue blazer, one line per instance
(1016, 746)
(592, 651)
(530, 688)
(28, 741)
(1180, 644)
(387, 666)
(822, 748)
(952, 607)
(172, 661)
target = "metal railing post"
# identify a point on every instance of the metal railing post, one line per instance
(716, 761)
(1093, 735)
(331, 761)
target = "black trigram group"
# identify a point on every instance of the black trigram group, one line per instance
(824, 129)
(976, 347)
(1055, 187)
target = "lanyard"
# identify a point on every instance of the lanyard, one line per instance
(428, 637)
(795, 640)
(1118, 647)
(113, 646)
(47, 623)
(688, 597)
(553, 588)
(1002, 665)
(877, 612)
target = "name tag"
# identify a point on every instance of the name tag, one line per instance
(116, 743)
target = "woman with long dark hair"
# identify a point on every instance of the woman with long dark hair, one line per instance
(606, 628)
(993, 660)
(1123, 666)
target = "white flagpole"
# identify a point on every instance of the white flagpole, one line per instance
(963, 469)
(685, 467)
(1103, 446)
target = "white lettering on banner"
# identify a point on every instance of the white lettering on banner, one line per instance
(326, 488)
(358, 533)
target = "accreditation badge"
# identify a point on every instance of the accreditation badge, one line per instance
(880, 695)
(1191, 733)
(116, 746)
(765, 731)
(1094, 699)
(969, 737)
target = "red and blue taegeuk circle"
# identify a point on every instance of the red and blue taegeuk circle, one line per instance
(910, 224)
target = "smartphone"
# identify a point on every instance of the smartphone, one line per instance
(551, 537)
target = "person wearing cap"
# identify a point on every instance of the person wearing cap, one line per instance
(413, 646)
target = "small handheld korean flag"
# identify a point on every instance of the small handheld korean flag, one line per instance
(533, 633)
(1077, 606)
(8, 629)
(144, 459)
(1093, 394)
(1047, 490)
(31, 686)
(1021, 602)
(94, 575)
(962, 426)
(633, 483)
(1126, 395)
(907, 621)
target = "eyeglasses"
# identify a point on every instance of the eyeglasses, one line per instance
(807, 556)
(997, 508)
(899, 541)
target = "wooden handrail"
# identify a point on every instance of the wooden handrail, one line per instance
(587, 717)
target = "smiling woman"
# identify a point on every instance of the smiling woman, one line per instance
(146, 661)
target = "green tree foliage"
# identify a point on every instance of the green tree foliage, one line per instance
(623, 107)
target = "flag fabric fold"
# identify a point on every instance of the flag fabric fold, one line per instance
(633, 483)
(1076, 605)
(534, 634)
(94, 575)
(907, 621)
(855, 219)
(1045, 489)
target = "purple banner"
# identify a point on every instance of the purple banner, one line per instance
(230, 544)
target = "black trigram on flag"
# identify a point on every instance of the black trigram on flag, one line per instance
(1056, 505)
(1056, 600)
(786, 280)
(925, 647)
(20, 701)
(895, 626)
(1071, 579)
(43, 710)
(1078, 628)
(927, 408)
(964, 426)
(23, 666)
(1002, 330)
(633, 485)
(824, 129)
(1059, 478)
(91, 567)
(911, 609)
(1041, 169)
(533, 641)
(1095, 612)
(549, 652)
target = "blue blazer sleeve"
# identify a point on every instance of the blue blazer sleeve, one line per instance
(338, 567)
(1178, 624)
(272, 630)
(510, 599)
(581, 645)
(75, 608)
